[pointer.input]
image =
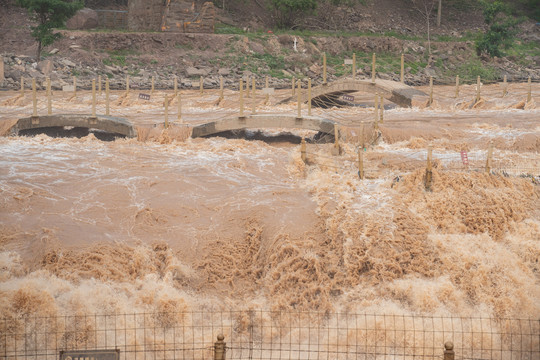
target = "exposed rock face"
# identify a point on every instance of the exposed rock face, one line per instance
(181, 16)
(145, 14)
(83, 19)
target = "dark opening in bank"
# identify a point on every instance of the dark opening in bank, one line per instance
(71, 132)
(253, 134)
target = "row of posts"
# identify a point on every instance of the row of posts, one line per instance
(220, 349)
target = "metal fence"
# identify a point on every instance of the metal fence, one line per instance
(270, 335)
(112, 19)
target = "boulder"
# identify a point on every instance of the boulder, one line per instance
(45, 66)
(224, 72)
(83, 19)
(192, 71)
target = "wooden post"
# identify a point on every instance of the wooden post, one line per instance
(152, 88)
(107, 93)
(293, 85)
(381, 104)
(34, 98)
(363, 140)
(430, 90)
(361, 163)
(179, 102)
(74, 86)
(93, 98)
(309, 98)
(49, 97)
(175, 85)
(267, 95)
(221, 88)
(449, 353)
(166, 111)
(303, 150)
(220, 348)
(373, 68)
(253, 87)
(127, 84)
(489, 160)
(336, 140)
(201, 84)
(529, 94)
(241, 98)
(99, 84)
(324, 69)
(353, 66)
(22, 85)
(505, 86)
(253, 99)
(428, 179)
(376, 107)
(457, 86)
(478, 89)
(402, 76)
(299, 99)
(248, 81)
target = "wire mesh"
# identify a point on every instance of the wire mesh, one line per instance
(258, 334)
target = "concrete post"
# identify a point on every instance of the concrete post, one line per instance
(152, 89)
(529, 94)
(179, 102)
(363, 139)
(34, 98)
(402, 76)
(303, 150)
(324, 69)
(428, 179)
(219, 348)
(241, 98)
(127, 84)
(457, 86)
(99, 84)
(505, 86)
(166, 111)
(449, 353)
(477, 89)
(299, 115)
(201, 84)
(489, 160)
(309, 98)
(175, 85)
(49, 97)
(353, 66)
(22, 85)
(293, 84)
(107, 91)
(430, 90)
(93, 98)
(361, 163)
(373, 68)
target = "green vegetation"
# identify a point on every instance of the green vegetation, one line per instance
(470, 70)
(49, 14)
(501, 31)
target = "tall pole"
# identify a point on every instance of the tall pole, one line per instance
(529, 94)
(107, 99)
(505, 86)
(361, 163)
(49, 97)
(175, 85)
(22, 86)
(34, 98)
(241, 98)
(430, 90)
(267, 95)
(373, 68)
(221, 88)
(152, 89)
(93, 98)
(179, 102)
(324, 68)
(166, 111)
(299, 99)
(353, 66)
(489, 158)
(99, 84)
(402, 76)
(201, 83)
(457, 86)
(478, 89)
(293, 84)
(127, 84)
(309, 97)
(74, 86)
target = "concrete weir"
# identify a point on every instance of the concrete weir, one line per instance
(108, 124)
(261, 121)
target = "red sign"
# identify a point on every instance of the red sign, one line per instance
(464, 158)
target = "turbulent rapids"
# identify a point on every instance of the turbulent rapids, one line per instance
(165, 225)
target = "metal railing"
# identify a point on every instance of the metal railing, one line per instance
(257, 334)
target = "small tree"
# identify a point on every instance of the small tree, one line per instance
(425, 8)
(501, 31)
(287, 10)
(48, 14)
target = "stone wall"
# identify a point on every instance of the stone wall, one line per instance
(145, 15)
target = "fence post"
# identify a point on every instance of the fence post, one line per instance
(363, 141)
(107, 91)
(152, 89)
(99, 84)
(253, 87)
(430, 90)
(22, 86)
(376, 107)
(489, 159)
(324, 69)
(382, 108)
(309, 97)
(201, 84)
(299, 115)
(353, 66)
(93, 98)
(373, 68)
(219, 348)
(175, 85)
(220, 88)
(303, 150)
(402, 76)
(337, 148)
(166, 111)
(505, 86)
(449, 353)
(428, 179)
(478, 94)
(49, 97)
(74, 86)
(253, 99)
(266, 87)
(34, 99)
(179, 101)
(127, 84)
(457, 86)
(293, 85)
(361, 163)
(529, 94)
(241, 98)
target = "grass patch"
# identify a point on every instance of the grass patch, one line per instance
(470, 70)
